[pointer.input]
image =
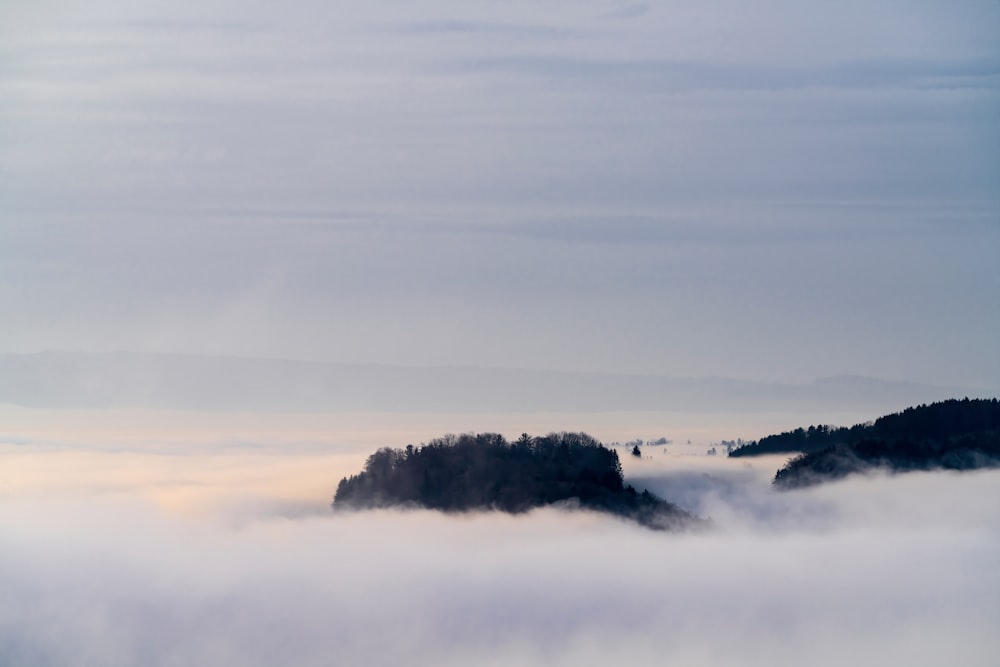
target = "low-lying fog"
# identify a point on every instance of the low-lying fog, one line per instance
(224, 555)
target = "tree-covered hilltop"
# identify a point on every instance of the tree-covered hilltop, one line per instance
(954, 435)
(937, 421)
(485, 472)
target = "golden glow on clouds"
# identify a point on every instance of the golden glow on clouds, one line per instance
(202, 463)
(162, 550)
(188, 483)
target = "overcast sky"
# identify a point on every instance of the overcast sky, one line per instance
(782, 192)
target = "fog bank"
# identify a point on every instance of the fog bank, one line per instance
(867, 571)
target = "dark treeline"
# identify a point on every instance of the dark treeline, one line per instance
(937, 421)
(953, 435)
(485, 472)
(801, 440)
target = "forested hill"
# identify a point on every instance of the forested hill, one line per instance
(485, 472)
(954, 435)
(937, 421)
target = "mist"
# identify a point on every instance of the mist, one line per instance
(230, 557)
(244, 245)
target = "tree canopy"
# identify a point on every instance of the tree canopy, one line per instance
(937, 421)
(952, 435)
(486, 472)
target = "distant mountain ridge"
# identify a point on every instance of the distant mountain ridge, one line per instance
(191, 382)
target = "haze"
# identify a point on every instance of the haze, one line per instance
(693, 189)
(243, 244)
(230, 556)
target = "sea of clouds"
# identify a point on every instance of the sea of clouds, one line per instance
(230, 556)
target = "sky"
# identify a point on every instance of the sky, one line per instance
(742, 198)
(781, 192)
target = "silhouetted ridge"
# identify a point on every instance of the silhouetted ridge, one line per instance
(938, 421)
(485, 472)
(953, 435)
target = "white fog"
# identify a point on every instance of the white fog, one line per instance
(243, 245)
(210, 554)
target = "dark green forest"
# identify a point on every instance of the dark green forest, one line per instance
(486, 472)
(952, 435)
(937, 421)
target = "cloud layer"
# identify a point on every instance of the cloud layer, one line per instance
(869, 571)
(782, 194)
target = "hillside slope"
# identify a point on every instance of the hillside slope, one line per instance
(953, 435)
